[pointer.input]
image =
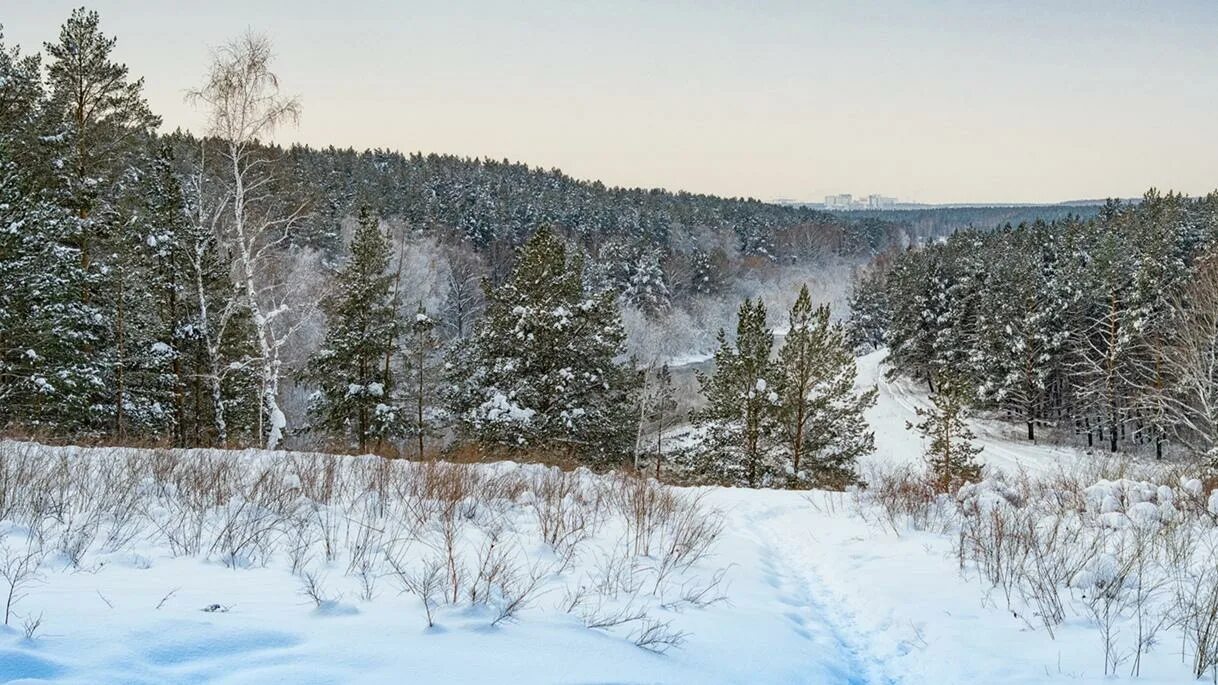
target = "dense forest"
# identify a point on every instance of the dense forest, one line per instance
(938, 222)
(215, 289)
(1103, 330)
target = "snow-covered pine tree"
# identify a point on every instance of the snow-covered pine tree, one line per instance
(23, 217)
(646, 288)
(1022, 324)
(145, 285)
(738, 421)
(97, 128)
(821, 417)
(917, 301)
(950, 451)
(868, 302)
(1106, 339)
(356, 389)
(543, 369)
(422, 347)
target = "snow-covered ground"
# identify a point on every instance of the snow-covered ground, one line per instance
(817, 591)
(897, 405)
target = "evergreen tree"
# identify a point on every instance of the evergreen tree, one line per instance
(868, 302)
(738, 420)
(949, 450)
(821, 416)
(917, 298)
(542, 369)
(24, 218)
(662, 407)
(646, 288)
(98, 127)
(423, 370)
(1023, 325)
(145, 287)
(357, 390)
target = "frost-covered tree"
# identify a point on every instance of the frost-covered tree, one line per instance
(869, 314)
(820, 415)
(661, 410)
(1190, 362)
(244, 103)
(543, 369)
(950, 451)
(646, 288)
(97, 131)
(356, 386)
(738, 421)
(463, 297)
(423, 369)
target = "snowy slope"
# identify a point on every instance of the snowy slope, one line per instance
(818, 590)
(896, 405)
(817, 595)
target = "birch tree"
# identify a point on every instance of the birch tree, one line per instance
(245, 105)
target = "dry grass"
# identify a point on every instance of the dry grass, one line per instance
(451, 535)
(1129, 549)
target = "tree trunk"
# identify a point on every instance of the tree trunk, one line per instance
(120, 362)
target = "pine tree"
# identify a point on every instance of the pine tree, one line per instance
(542, 369)
(421, 357)
(869, 309)
(738, 419)
(821, 416)
(357, 391)
(1023, 324)
(98, 129)
(145, 288)
(23, 217)
(916, 299)
(950, 450)
(646, 288)
(661, 410)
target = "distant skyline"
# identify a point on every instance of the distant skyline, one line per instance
(956, 101)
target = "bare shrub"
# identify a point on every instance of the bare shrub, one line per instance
(19, 569)
(312, 585)
(426, 583)
(658, 636)
(566, 516)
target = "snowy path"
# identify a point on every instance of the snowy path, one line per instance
(897, 404)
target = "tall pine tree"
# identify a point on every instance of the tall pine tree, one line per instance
(544, 368)
(357, 390)
(738, 421)
(821, 417)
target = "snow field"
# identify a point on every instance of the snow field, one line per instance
(205, 566)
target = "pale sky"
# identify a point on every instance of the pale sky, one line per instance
(948, 101)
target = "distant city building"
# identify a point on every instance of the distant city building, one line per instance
(839, 201)
(880, 202)
(846, 202)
